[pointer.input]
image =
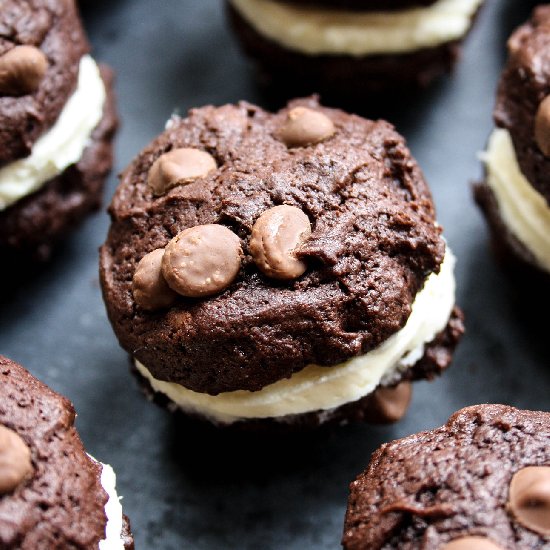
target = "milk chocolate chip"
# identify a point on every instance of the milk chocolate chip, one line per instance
(390, 404)
(21, 70)
(471, 543)
(276, 235)
(529, 498)
(305, 126)
(542, 126)
(178, 167)
(202, 260)
(15, 460)
(149, 287)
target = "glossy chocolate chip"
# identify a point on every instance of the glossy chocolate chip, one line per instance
(305, 126)
(471, 543)
(149, 287)
(542, 126)
(529, 498)
(15, 460)
(276, 236)
(390, 404)
(202, 260)
(179, 167)
(21, 70)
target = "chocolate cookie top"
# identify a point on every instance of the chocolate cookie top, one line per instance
(473, 477)
(363, 5)
(524, 85)
(55, 500)
(328, 277)
(41, 43)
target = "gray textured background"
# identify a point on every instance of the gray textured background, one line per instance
(192, 489)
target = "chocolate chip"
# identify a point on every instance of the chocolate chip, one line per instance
(305, 126)
(529, 498)
(21, 70)
(202, 260)
(390, 404)
(471, 543)
(149, 287)
(15, 460)
(178, 167)
(276, 235)
(542, 126)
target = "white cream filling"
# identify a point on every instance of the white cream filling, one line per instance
(323, 388)
(523, 209)
(63, 144)
(317, 31)
(113, 511)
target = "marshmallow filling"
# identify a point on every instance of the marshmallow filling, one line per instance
(319, 31)
(522, 208)
(113, 510)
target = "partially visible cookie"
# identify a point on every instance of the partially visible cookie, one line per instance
(363, 5)
(52, 494)
(481, 482)
(57, 122)
(515, 195)
(348, 49)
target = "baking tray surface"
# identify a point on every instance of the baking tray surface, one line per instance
(199, 489)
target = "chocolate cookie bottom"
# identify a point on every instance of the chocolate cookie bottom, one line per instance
(286, 72)
(509, 251)
(370, 409)
(126, 535)
(30, 227)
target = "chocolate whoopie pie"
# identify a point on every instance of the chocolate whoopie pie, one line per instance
(515, 195)
(281, 267)
(57, 121)
(52, 494)
(481, 482)
(346, 49)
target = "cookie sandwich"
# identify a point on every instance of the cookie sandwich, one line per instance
(515, 195)
(57, 121)
(279, 268)
(348, 48)
(52, 494)
(480, 482)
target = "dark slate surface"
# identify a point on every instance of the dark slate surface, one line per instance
(195, 489)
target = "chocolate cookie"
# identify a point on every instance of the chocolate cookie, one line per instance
(52, 29)
(32, 225)
(57, 122)
(479, 482)
(301, 249)
(52, 494)
(516, 192)
(346, 51)
(524, 84)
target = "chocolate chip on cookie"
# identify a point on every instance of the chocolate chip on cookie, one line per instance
(178, 167)
(15, 460)
(21, 70)
(304, 127)
(202, 260)
(276, 236)
(529, 498)
(149, 286)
